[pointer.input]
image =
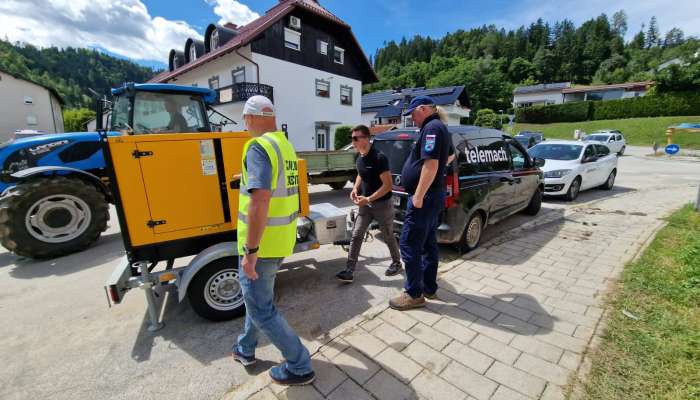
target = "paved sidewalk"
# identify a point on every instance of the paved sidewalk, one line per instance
(513, 321)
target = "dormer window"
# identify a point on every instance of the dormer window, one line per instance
(193, 52)
(338, 55)
(176, 63)
(214, 40)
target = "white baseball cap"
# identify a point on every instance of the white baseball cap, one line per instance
(259, 105)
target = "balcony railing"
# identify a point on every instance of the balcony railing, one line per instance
(242, 92)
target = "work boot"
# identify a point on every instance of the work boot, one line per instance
(393, 269)
(345, 276)
(406, 302)
(430, 296)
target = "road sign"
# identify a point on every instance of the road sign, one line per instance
(672, 149)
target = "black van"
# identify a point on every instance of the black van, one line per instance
(491, 177)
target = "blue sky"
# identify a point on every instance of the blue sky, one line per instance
(145, 30)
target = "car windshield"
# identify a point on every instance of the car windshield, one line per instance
(396, 151)
(158, 113)
(563, 152)
(597, 138)
(523, 140)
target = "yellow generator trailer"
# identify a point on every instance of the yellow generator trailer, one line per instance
(176, 196)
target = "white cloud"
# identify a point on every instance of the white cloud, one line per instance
(233, 11)
(123, 27)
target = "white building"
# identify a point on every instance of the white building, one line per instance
(539, 95)
(564, 92)
(28, 105)
(385, 107)
(300, 55)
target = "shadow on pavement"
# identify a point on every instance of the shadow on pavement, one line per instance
(591, 195)
(106, 249)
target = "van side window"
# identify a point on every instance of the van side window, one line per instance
(518, 158)
(590, 152)
(602, 150)
(489, 154)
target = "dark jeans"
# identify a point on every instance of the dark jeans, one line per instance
(419, 247)
(383, 212)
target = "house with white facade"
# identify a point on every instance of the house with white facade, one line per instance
(386, 107)
(543, 94)
(563, 92)
(28, 106)
(301, 56)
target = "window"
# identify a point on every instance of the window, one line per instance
(590, 152)
(322, 47)
(321, 134)
(214, 82)
(602, 150)
(292, 39)
(518, 158)
(338, 55)
(346, 95)
(323, 88)
(214, 40)
(193, 52)
(28, 100)
(238, 75)
(158, 112)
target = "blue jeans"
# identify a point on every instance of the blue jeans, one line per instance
(262, 315)
(419, 247)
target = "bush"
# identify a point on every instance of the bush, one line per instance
(342, 136)
(567, 112)
(76, 119)
(487, 118)
(658, 105)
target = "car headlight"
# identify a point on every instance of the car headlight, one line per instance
(557, 173)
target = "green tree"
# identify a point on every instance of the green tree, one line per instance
(343, 135)
(520, 70)
(76, 119)
(487, 118)
(652, 36)
(619, 24)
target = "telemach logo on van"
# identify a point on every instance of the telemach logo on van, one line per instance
(477, 155)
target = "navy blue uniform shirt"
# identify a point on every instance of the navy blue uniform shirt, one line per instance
(433, 144)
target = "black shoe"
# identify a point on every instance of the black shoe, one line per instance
(393, 269)
(282, 376)
(345, 276)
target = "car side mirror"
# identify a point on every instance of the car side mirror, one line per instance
(539, 162)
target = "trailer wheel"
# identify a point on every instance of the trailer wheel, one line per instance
(215, 292)
(51, 217)
(337, 185)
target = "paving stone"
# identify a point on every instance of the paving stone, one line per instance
(365, 342)
(553, 392)
(328, 377)
(385, 387)
(455, 330)
(516, 379)
(530, 304)
(533, 346)
(562, 341)
(514, 281)
(495, 283)
(458, 315)
(504, 393)
(398, 364)
(431, 387)
(371, 324)
(300, 392)
(469, 381)
(478, 310)
(429, 336)
(469, 357)
(432, 360)
(544, 369)
(512, 310)
(356, 365)
(492, 330)
(392, 336)
(515, 325)
(570, 360)
(541, 280)
(547, 291)
(493, 348)
(334, 347)
(264, 394)
(463, 284)
(449, 298)
(349, 390)
(585, 333)
(398, 319)
(423, 315)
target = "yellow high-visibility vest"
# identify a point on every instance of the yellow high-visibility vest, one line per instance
(280, 233)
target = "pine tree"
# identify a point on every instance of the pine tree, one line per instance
(652, 37)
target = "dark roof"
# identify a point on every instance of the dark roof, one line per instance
(628, 85)
(543, 87)
(388, 112)
(207, 94)
(378, 101)
(49, 88)
(249, 32)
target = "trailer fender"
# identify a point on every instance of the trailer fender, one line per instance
(220, 250)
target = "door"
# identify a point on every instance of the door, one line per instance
(589, 170)
(322, 138)
(525, 176)
(606, 162)
(486, 154)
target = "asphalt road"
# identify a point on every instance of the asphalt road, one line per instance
(59, 340)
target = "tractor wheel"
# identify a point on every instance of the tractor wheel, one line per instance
(51, 217)
(215, 292)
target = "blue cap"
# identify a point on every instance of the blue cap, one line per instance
(419, 101)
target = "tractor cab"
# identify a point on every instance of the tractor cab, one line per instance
(149, 108)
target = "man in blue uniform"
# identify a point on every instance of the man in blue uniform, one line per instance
(423, 178)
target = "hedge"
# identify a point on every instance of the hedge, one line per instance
(653, 105)
(343, 135)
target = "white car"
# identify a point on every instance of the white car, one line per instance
(611, 138)
(572, 166)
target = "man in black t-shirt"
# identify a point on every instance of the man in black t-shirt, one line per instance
(372, 192)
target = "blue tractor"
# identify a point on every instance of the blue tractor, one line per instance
(55, 189)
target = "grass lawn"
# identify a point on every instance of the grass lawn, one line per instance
(637, 131)
(658, 355)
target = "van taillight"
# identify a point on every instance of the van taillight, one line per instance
(451, 190)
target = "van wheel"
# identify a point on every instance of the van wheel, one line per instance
(574, 189)
(608, 185)
(472, 233)
(337, 185)
(535, 203)
(215, 292)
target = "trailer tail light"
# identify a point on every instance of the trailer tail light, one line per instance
(114, 294)
(451, 190)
